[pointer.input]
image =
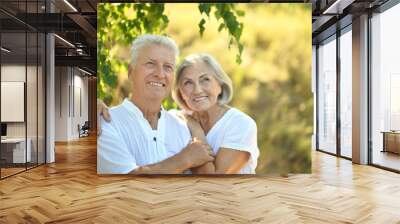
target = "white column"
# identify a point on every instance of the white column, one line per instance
(360, 90)
(50, 93)
(50, 110)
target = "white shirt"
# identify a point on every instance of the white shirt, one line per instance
(236, 130)
(128, 141)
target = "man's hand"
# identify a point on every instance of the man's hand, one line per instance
(102, 110)
(194, 125)
(197, 153)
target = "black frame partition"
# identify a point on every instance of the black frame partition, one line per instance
(14, 57)
(337, 34)
(332, 37)
(338, 100)
(31, 41)
(341, 80)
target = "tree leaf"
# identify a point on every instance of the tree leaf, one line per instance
(201, 26)
(221, 26)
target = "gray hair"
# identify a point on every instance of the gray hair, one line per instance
(223, 79)
(148, 39)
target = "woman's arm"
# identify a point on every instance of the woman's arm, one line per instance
(230, 161)
(198, 133)
(227, 161)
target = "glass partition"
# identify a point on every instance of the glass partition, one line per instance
(22, 89)
(14, 145)
(327, 95)
(41, 110)
(346, 92)
(385, 89)
(32, 96)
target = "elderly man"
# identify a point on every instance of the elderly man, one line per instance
(142, 137)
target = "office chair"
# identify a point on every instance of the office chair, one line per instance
(84, 130)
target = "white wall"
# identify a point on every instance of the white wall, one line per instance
(80, 100)
(71, 94)
(13, 73)
(12, 100)
(61, 103)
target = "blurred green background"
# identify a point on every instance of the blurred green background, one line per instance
(271, 73)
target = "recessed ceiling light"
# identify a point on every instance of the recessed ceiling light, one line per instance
(70, 5)
(64, 40)
(337, 7)
(84, 71)
(5, 50)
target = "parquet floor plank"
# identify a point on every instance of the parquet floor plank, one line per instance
(70, 191)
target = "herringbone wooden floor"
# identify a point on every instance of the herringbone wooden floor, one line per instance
(70, 191)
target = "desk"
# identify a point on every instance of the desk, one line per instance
(391, 141)
(16, 147)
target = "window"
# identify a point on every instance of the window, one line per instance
(346, 92)
(327, 96)
(385, 88)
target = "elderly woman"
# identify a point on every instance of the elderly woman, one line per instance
(203, 90)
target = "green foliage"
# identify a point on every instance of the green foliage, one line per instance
(227, 15)
(121, 23)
